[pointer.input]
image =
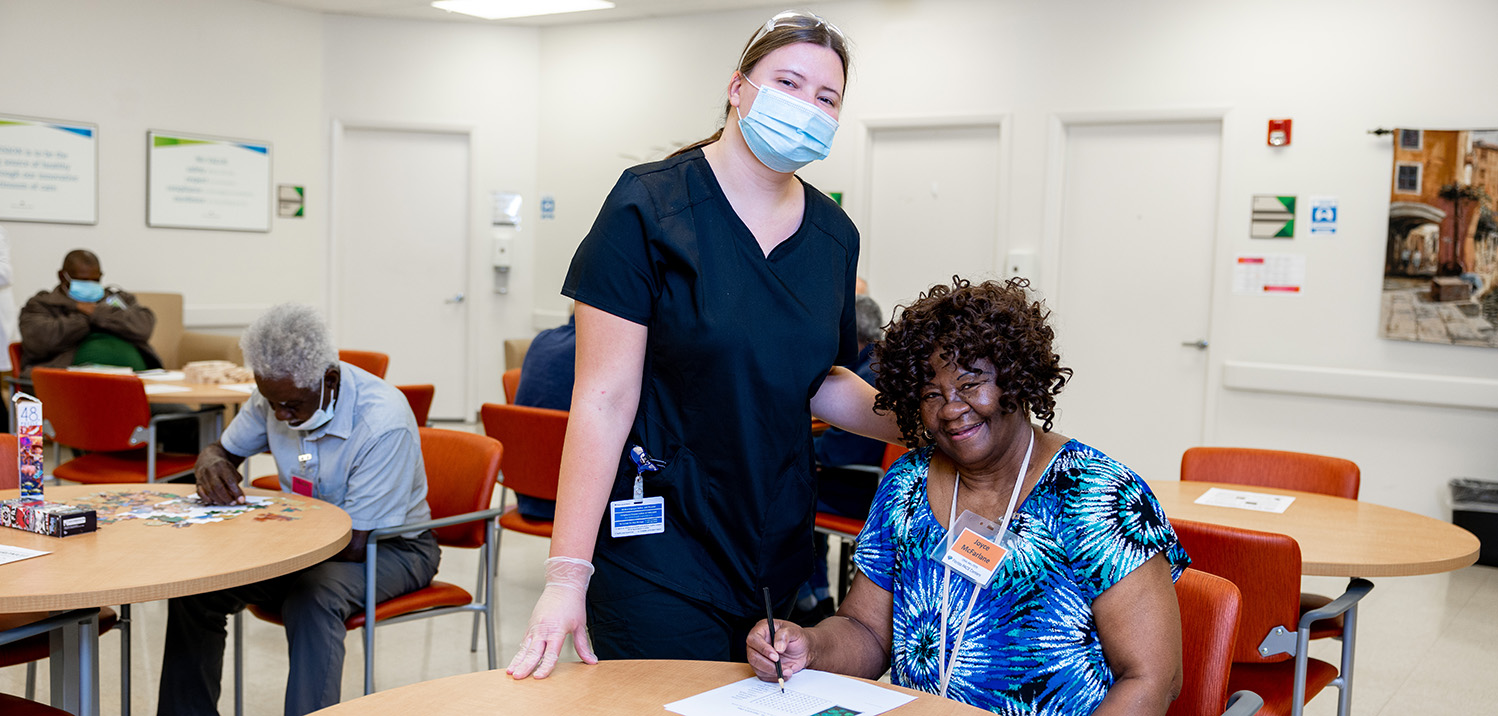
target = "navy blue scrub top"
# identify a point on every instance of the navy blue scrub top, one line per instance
(738, 344)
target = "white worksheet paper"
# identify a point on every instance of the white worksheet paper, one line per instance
(808, 693)
(158, 388)
(1245, 500)
(245, 388)
(10, 554)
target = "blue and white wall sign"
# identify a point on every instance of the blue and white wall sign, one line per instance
(199, 182)
(49, 171)
(1324, 216)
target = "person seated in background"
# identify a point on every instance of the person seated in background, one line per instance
(847, 468)
(1077, 610)
(338, 434)
(81, 322)
(546, 377)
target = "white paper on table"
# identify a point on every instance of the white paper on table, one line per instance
(159, 388)
(159, 374)
(808, 693)
(1239, 499)
(245, 388)
(10, 554)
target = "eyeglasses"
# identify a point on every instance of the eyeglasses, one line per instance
(789, 18)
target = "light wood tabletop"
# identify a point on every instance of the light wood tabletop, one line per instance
(129, 561)
(609, 687)
(196, 394)
(1338, 537)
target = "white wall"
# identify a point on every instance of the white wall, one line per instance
(415, 74)
(234, 68)
(1336, 68)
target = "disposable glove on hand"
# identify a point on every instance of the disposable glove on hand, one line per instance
(560, 611)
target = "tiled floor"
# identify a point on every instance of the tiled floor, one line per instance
(1427, 645)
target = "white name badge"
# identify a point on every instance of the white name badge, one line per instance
(632, 518)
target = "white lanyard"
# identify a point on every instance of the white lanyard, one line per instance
(942, 663)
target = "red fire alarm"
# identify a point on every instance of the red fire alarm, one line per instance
(1279, 132)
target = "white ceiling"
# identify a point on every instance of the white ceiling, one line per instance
(623, 10)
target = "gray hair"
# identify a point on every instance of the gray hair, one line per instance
(870, 319)
(289, 341)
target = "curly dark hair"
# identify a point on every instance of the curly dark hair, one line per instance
(967, 323)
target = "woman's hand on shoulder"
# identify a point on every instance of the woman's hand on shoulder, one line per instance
(792, 648)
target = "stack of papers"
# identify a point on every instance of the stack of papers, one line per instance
(1238, 499)
(808, 693)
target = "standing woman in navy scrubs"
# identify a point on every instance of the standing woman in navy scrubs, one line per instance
(714, 310)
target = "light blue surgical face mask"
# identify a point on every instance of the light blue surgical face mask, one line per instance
(784, 132)
(84, 291)
(321, 416)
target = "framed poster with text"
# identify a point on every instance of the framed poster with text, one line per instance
(49, 170)
(200, 182)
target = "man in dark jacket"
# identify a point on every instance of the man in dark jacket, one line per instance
(82, 322)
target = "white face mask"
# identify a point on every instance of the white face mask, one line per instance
(785, 132)
(321, 416)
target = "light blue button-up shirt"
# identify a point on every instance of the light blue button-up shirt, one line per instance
(366, 460)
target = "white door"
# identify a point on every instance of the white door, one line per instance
(401, 237)
(933, 200)
(1139, 215)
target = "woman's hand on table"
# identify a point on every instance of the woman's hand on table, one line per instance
(560, 611)
(792, 649)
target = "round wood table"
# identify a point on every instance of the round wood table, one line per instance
(134, 560)
(1338, 537)
(609, 687)
(196, 394)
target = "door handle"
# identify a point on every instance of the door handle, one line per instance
(1199, 344)
(455, 299)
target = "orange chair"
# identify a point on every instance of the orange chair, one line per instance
(1287, 471)
(1210, 607)
(107, 416)
(420, 398)
(1270, 657)
(846, 529)
(372, 361)
(17, 706)
(511, 381)
(533, 457)
(462, 470)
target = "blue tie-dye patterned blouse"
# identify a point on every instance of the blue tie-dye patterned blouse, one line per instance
(1031, 645)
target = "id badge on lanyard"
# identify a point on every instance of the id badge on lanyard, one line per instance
(640, 515)
(302, 482)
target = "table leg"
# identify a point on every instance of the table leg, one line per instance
(75, 665)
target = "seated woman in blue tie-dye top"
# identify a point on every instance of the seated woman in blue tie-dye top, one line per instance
(1073, 610)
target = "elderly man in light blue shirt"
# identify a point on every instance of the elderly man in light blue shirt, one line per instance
(338, 434)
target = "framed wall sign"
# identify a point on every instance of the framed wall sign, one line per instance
(49, 170)
(202, 182)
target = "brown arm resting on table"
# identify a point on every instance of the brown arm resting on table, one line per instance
(854, 641)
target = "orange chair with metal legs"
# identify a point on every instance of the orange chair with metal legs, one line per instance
(108, 417)
(1271, 657)
(1287, 471)
(462, 470)
(372, 361)
(846, 529)
(1210, 608)
(420, 397)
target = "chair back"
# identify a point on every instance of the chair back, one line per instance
(372, 361)
(511, 381)
(166, 335)
(892, 452)
(1210, 609)
(97, 412)
(462, 469)
(533, 446)
(1263, 565)
(420, 398)
(15, 358)
(10, 477)
(1272, 468)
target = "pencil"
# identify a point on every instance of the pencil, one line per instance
(770, 617)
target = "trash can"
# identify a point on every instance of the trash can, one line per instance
(1474, 508)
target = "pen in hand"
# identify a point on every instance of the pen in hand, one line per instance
(770, 618)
